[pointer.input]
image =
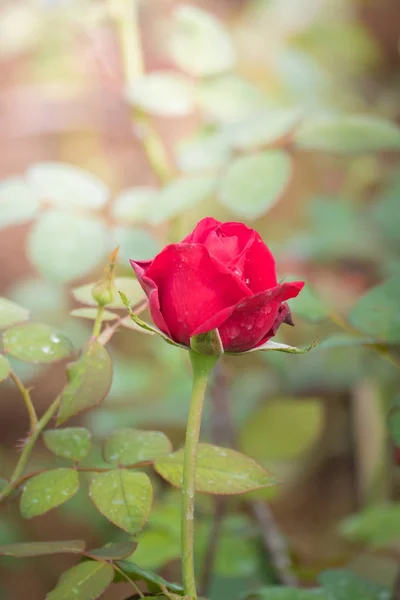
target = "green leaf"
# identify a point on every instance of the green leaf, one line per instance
(48, 490)
(36, 343)
(89, 380)
(300, 418)
(26, 549)
(129, 446)
(86, 581)
(287, 593)
(68, 186)
(253, 184)
(219, 471)
(135, 243)
(348, 133)
(207, 152)
(91, 313)
(309, 306)
(71, 443)
(229, 98)
(123, 497)
(134, 205)
(377, 313)
(18, 202)
(135, 572)
(376, 526)
(345, 585)
(64, 246)
(263, 129)
(181, 195)
(200, 44)
(163, 93)
(114, 551)
(11, 313)
(128, 285)
(45, 301)
(5, 368)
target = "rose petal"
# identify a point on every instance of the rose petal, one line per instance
(259, 271)
(248, 323)
(187, 286)
(151, 291)
(201, 231)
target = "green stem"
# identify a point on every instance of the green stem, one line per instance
(27, 399)
(202, 365)
(98, 321)
(126, 15)
(26, 452)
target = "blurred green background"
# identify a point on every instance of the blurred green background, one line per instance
(280, 114)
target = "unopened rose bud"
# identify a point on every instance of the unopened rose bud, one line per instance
(104, 291)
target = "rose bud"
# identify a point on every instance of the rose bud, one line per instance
(220, 278)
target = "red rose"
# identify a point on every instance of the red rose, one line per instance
(221, 276)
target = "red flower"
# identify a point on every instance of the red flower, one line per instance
(221, 276)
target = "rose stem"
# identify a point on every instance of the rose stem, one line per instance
(202, 366)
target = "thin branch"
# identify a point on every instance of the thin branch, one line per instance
(273, 542)
(25, 393)
(125, 576)
(126, 18)
(26, 452)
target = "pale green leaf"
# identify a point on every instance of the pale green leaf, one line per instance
(67, 185)
(71, 443)
(377, 313)
(219, 471)
(263, 129)
(123, 497)
(301, 419)
(253, 184)
(11, 313)
(206, 152)
(229, 98)
(199, 43)
(91, 313)
(25, 549)
(346, 585)
(128, 446)
(156, 548)
(48, 490)
(163, 93)
(86, 581)
(127, 285)
(18, 202)
(64, 246)
(181, 195)
(348, 133)
(36, 343)
(5, 368)
(89, 380)
(135, 243)
(377, 526)
(134, 205)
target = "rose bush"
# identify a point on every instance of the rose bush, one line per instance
(221, 276)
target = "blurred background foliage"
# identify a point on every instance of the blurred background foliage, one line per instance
(126, 130)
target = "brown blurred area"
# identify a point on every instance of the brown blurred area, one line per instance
(61, 99)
